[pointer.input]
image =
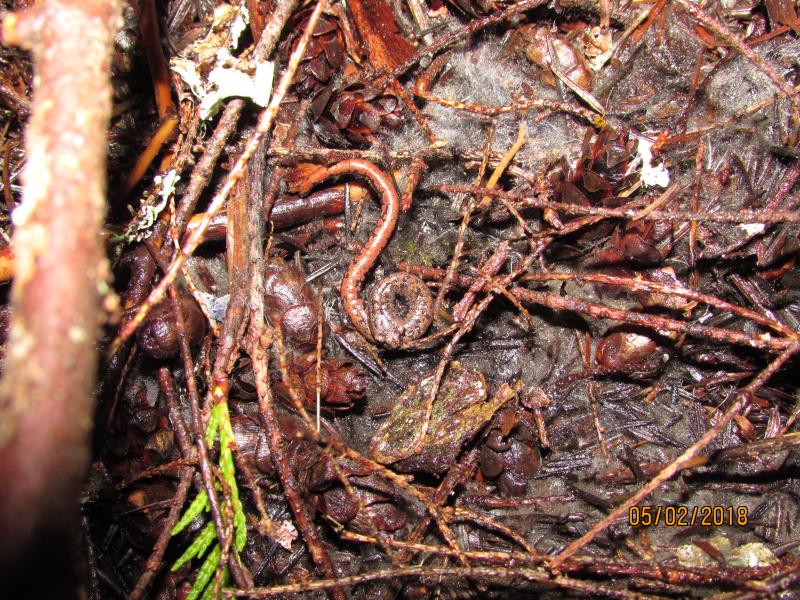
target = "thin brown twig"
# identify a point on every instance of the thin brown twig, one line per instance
(459, 513)
(166, 384)
(247, 258)
(741, 216)
(294, 395)
(692, 255)
(640, 284)
(519, 106)
(257, 343)
(600, 565)
(154, 561)
(585, 350)
(466, 31)
(462, 230)
(499, 575)
(223, 527)
(169, 468)
(721, 30)
(487, 271)
(258, 346)
(655, 322)
(631, 283)
(742, 399)
(264, 125)
(204, 169)
(456, 475)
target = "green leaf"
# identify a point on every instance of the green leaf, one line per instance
(212, 429)
(205, 573)
(209, 593)
(198, 546)
(239, 518)
(219, 427)
(228, 472)
(198, 505)
(240, 528)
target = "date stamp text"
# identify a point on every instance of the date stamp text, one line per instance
(687, 516)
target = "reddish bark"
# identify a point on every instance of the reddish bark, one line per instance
(386, 46)
(46, 402)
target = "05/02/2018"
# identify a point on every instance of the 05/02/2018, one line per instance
(687, 516)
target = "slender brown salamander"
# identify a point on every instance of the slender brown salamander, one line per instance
(401, 308)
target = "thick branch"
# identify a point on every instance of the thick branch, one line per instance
(46, 402)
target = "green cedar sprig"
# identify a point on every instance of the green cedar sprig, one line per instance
(219, 428)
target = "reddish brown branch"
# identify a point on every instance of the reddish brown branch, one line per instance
(46, 400)
(257, 347)
(740, 216)
(764, 342)
(257, 344)
(155, 560)
(502, 575)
